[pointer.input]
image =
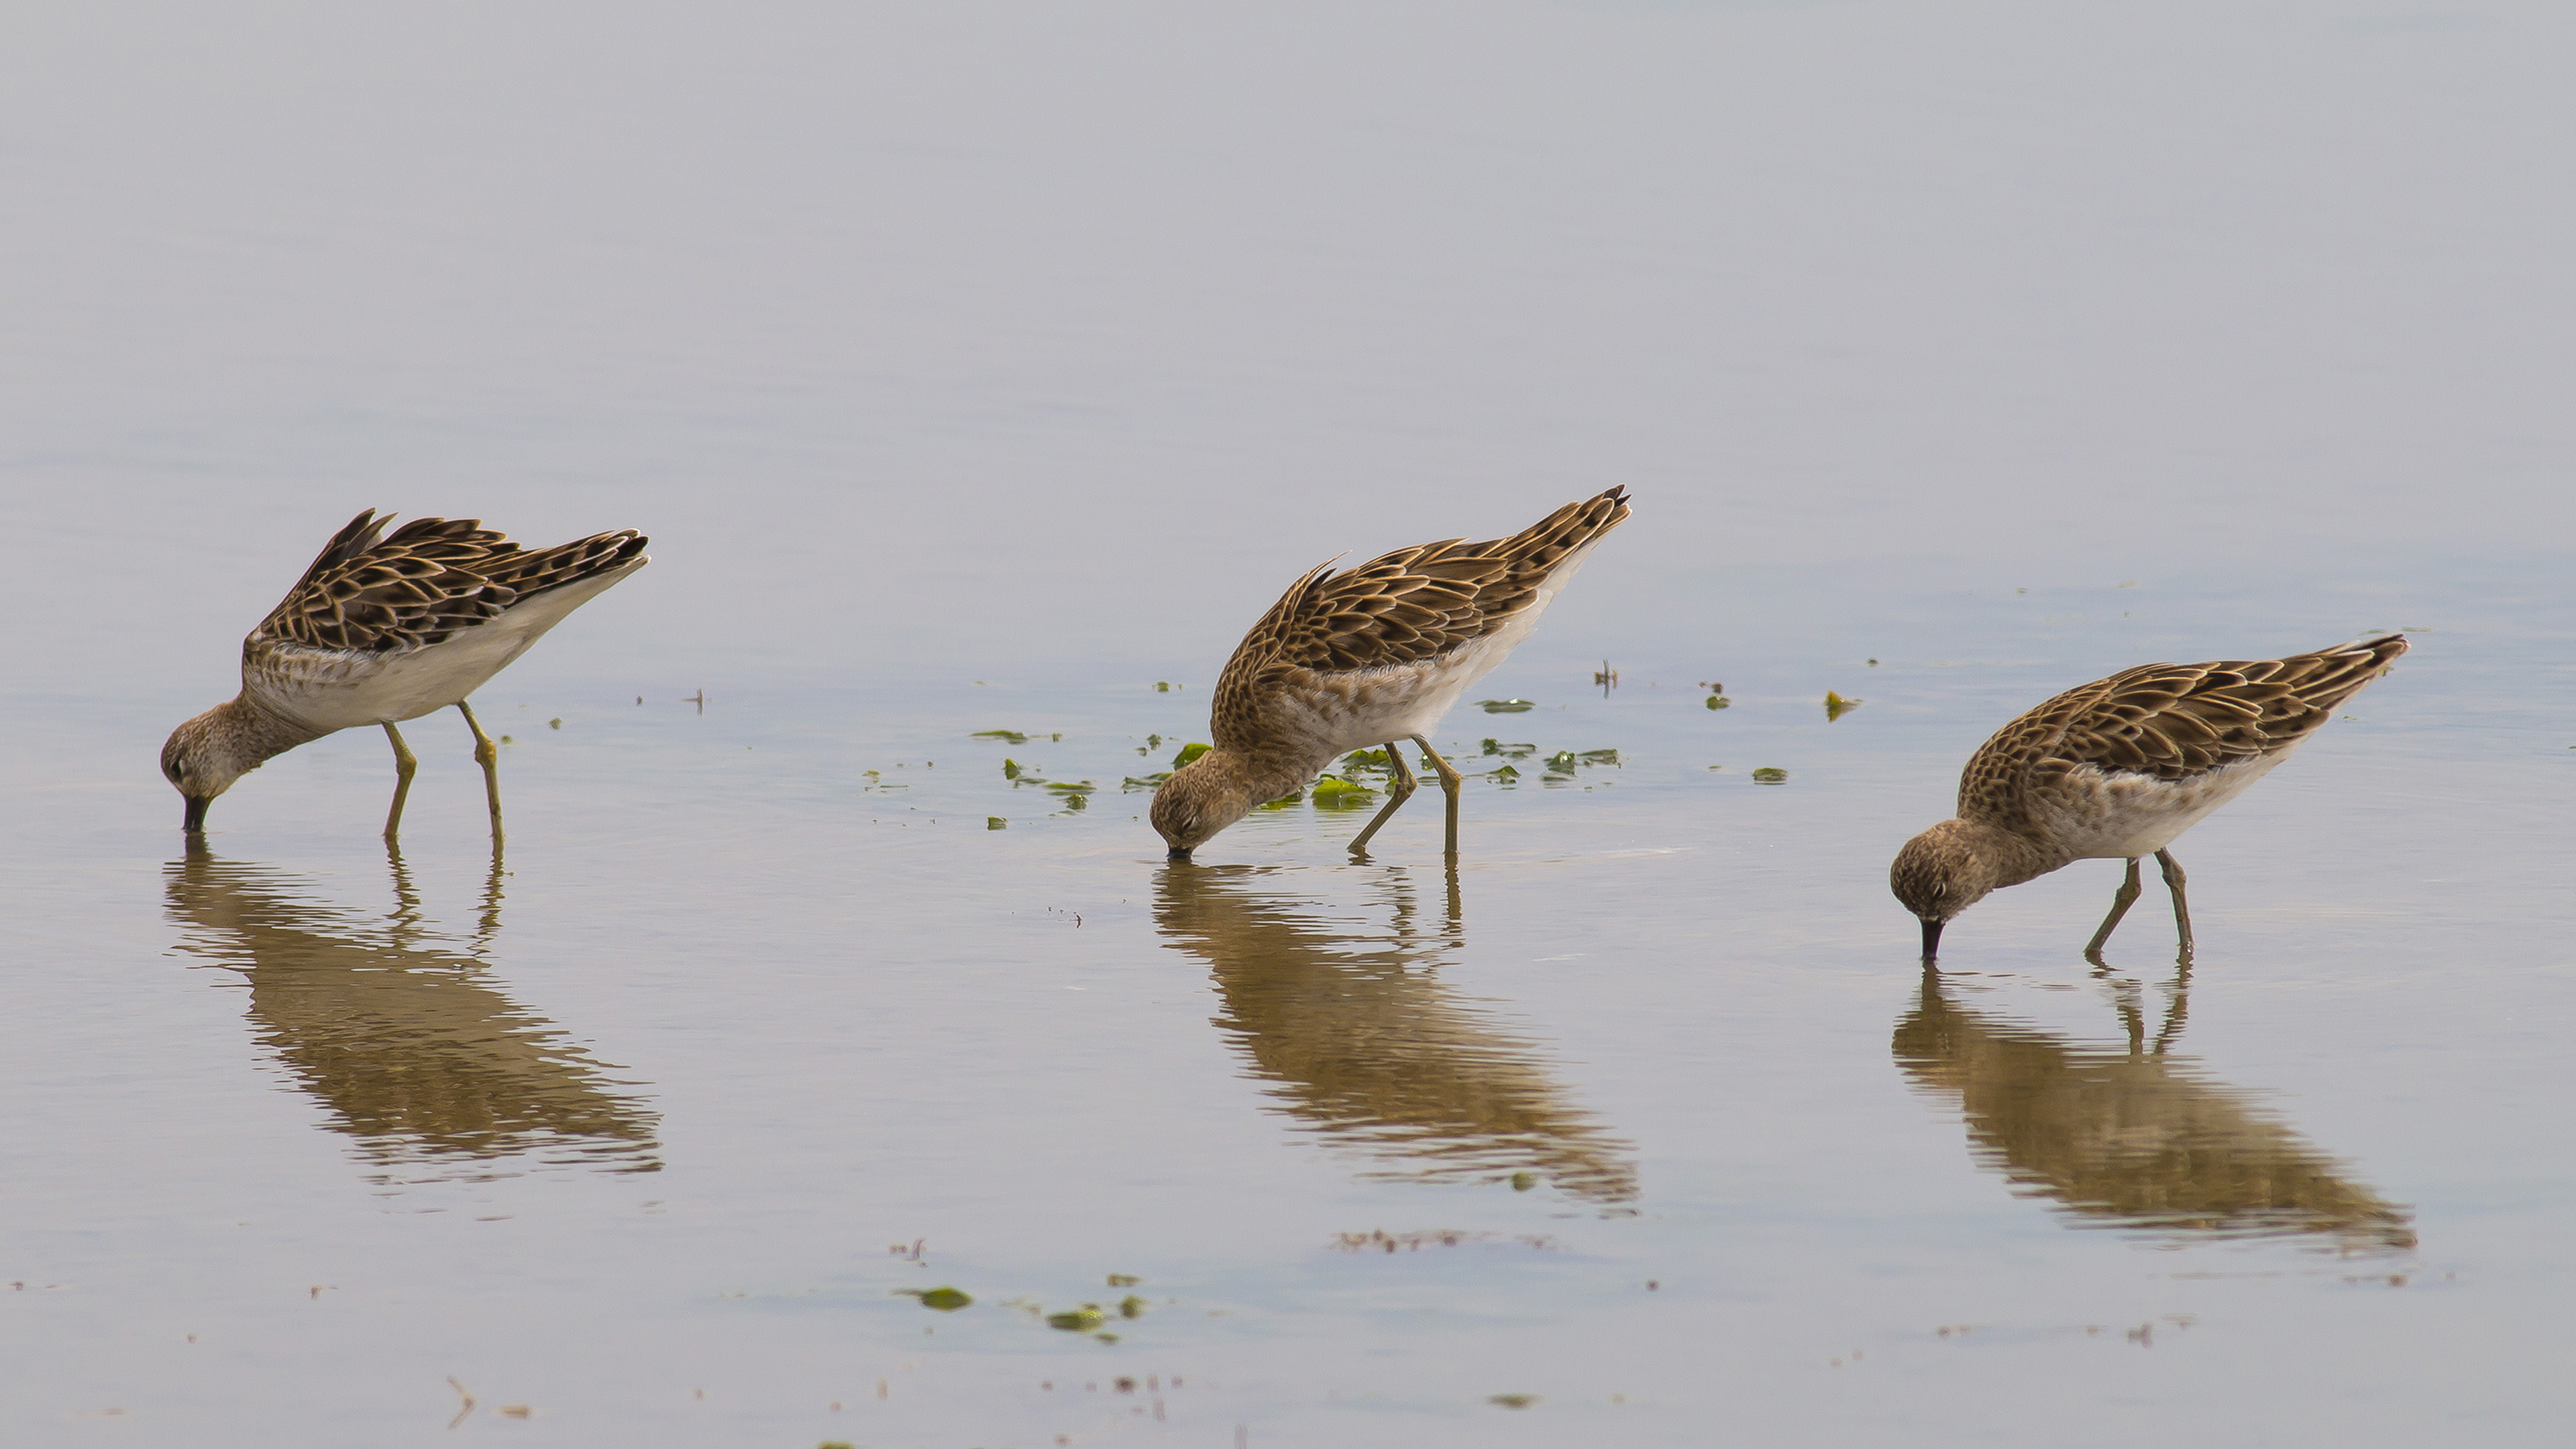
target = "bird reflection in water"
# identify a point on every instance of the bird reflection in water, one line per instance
(2135, 1139)
(389, 1026)
(1368, 1049)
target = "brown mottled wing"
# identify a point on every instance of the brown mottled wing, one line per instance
(373, 592)
(1409, 605)
(2171, 721)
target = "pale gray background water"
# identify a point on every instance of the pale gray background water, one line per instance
(975, 367)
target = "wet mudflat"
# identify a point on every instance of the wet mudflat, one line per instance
(831, 1056)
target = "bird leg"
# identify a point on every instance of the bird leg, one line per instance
(405, 764)
(1402, 791)
(1450, 784)
(2120, 903)
(488, 755)
(2182, 912)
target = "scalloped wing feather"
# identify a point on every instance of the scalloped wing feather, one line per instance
(1404, 607)
(423, 583)
(2169, 721)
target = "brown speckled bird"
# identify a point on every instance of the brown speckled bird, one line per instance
(384, 628)
(2118, 768)
(1372, 656)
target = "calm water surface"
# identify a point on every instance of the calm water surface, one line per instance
(980, 373)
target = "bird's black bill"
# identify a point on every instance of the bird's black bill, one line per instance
(1178, 853)
(195, 823)
(1931, 940)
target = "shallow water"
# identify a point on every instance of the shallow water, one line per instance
(976, 373)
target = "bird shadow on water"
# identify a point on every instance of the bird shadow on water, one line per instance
(2136, 1138)
(388, 1024)
(1364, 1046)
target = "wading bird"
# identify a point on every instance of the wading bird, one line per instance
(388, 628)
(1375, 655)
(2118, 768)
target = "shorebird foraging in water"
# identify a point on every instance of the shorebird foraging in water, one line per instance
(388, 628)
(1372, 656)
(2115, 770)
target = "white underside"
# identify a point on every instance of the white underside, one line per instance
(2104, 815)
(1373, 706)
(335, 691)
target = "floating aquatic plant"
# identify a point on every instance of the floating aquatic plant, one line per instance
(996, 822)
(1719, 701)
(1189, 753)
(1836, 706)
(946, 1300)
(1769, 776)
(1008, 737)
(1145, 782)
(1332, 792)
(1506, 706)
(1509, 752)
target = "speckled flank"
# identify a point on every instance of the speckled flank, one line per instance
(2098, 814)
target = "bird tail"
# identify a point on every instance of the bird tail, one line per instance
(534, 571)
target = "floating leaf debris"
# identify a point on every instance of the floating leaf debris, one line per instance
(1332, 792)
(1770, 776)
(1506, 706)
(946, 1300)
(1836, 706)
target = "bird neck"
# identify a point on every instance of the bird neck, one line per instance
(1997, 857)
(1254, 777)
(246, 734)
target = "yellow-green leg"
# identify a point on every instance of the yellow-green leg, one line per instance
(1401, 792)
(1451, 783)
(406, 764)
(2120, 903)
(2174, 882)
(488, 755)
